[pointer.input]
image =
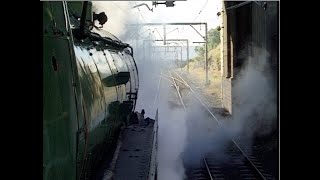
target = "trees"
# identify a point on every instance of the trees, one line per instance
(200, 50)
(213, 41)
(213, 49)
(213, 38)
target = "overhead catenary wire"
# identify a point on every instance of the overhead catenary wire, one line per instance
(201, 10)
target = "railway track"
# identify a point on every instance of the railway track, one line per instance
(238, 164)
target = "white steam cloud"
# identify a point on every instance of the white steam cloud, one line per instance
(184, 138)
(119, 15)
(204, 136)
(172, 135)
(255, 105)
(172, 121)
(254, 114)
(172, 130)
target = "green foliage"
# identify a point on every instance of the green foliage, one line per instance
(213, 38)
(214, 58)
(213, 42)
(200, 50)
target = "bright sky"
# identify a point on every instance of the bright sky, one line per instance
(183, 11)
(121, 13)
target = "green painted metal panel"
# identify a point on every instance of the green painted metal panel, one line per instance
(59, 109)
(81, 114)
(75, 9)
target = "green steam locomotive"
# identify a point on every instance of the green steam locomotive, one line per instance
(90, 86)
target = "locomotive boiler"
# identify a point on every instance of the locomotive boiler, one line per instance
(90, 86)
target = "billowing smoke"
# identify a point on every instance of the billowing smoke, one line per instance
(184, 138)
(254, 113)
(119, 14)
(172, 138)
(149, 74)
(204, 136)
(255, 105)
(171, 130)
